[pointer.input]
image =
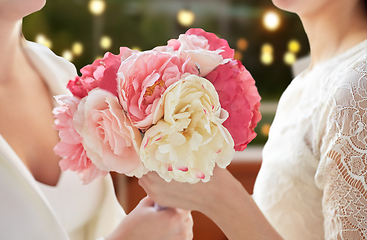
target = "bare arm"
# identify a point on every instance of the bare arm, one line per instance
(222, 199)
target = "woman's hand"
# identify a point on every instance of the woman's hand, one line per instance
(146, 222)
(198, 196)
(223, 199)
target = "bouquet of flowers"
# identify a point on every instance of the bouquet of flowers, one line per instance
(178, 110)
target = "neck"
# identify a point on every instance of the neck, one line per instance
(10, 49)
(334, 29)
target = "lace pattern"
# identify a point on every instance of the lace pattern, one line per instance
(313, 180)
(345, 186)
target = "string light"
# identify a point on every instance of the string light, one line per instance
(185, 17)
(271, 20)
(97, 7)
(105, 42)
(77, 48)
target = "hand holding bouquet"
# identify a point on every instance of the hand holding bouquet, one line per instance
(178, 110)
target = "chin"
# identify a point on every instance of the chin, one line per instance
(287, 5)
(17, 9)
(33, 5)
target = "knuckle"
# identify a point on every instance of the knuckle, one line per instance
(189, 235)
(141, 181)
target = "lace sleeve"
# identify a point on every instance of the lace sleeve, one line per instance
(344, 160)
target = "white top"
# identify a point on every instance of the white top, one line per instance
(34, 211)
(313, 181)
(73, 203)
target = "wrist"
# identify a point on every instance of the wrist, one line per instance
(227, 198)
(237, 215)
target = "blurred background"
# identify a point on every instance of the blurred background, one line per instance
(267, 40)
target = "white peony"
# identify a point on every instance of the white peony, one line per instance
(190, 140)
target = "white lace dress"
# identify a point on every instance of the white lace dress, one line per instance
(313, 181)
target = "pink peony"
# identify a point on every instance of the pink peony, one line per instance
(202, 49)
(196, 38)
(110, 141)
(70, 148)
(239, 96)
(102, 74)
(189, 42)
(143, 78)
(205, 61)
(194, 50)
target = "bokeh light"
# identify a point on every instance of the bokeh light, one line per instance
(136, 48)
(238, 55)
(242, 44)
(42, 39)
(289, 58)
(105, 42)
(77, 48)
(294, 46)
(266, 58)
(271, 20)
(97, 7)
(68, 55)
(185, 17)
(267, 48)
(265, 128)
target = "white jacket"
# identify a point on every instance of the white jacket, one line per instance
(25, 212)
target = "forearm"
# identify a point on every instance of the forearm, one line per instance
(223, 199)
(238, 216)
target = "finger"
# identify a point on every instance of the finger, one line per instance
(184, 211)
(145, 180)
(186, 215)
(149, 187)
(146, 202)
(142, 181)
(147, 190)
(152, 177)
